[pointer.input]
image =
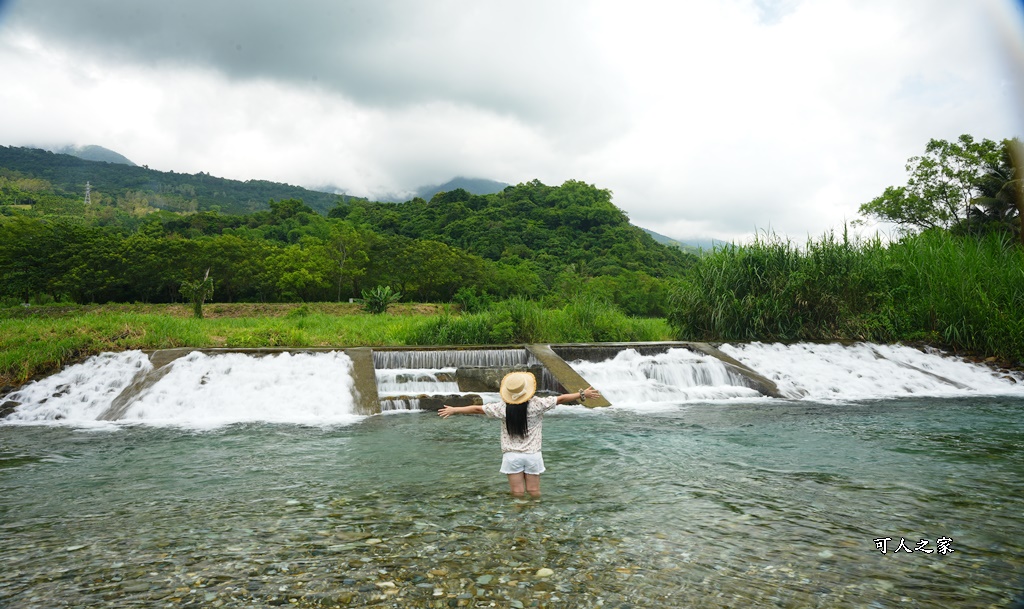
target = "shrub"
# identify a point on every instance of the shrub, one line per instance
(378, 299)
(470, 301)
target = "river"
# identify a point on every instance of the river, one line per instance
(900, 499)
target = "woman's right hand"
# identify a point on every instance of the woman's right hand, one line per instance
(446, 411)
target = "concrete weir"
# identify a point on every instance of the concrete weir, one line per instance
(568, 378)
(478, 369)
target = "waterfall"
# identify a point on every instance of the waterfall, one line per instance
(675, 376)
(199, 391)
(452, 358)
(863, 371)
(79, 393)
(406, 381)
(395, 386)
(406, 377)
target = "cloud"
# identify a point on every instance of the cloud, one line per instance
(710, 118)
(807, 118)
(533, 60)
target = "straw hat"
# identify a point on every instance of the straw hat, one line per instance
(518, 387)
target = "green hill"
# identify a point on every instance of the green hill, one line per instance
(95, 153)
(161, 189)
(551, 226)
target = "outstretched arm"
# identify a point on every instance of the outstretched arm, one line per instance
(448, 411)
(580, 396)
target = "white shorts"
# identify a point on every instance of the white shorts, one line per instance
(516, 463)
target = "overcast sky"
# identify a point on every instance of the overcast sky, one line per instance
(705, 118)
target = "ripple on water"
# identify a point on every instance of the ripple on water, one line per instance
(737, 507)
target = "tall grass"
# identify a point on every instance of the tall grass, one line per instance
(966, 293)
(774, 290)
(523, 321)
(963, 293)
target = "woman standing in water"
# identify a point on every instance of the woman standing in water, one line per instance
(522, 417)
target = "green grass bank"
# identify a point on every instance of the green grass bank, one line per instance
(965, 295)
(40, 340)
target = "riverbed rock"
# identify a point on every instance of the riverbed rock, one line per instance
(8, 407)
(436, 402)
(488, 379)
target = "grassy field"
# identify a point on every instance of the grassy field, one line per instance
(36, 341)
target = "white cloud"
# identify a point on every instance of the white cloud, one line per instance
(705, 118)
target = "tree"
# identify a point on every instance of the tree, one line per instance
(346, 244)
(33, 256)
(198, 291)
(240, 266)
(302, 271)
(1001, 202)
(1016, 150)
(942, 187)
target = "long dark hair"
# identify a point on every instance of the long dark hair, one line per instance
(515, 419)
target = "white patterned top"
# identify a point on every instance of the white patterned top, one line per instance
(535, 410)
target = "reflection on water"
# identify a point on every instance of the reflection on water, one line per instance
(768, 503)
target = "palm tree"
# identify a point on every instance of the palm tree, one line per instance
(1000, 203)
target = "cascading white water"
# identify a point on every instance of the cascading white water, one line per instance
(410, 381)
(199, 391)
(317, 388)
(395, 385)
(79, 393)
(447, 358)
(679, 375)
(402, 375)
(395, 404)
(867, 371)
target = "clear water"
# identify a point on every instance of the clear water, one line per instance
(763, 503)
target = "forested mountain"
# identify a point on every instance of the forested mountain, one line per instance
(531, 240)
(575, 223)
(95, 153)
(67, 176)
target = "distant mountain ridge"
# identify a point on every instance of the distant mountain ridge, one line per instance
(95, 153)
(166, 189)
(662, 239)
(209, 192)
(474, 186)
